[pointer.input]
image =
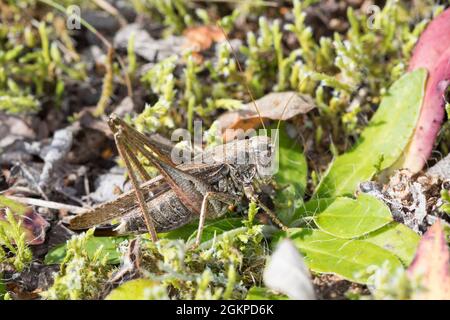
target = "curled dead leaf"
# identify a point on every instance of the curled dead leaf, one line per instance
(431, 265)
(273, 106)
(202, 37)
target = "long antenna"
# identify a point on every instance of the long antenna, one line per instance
(248, 88)
(242, 71)
(282, 113)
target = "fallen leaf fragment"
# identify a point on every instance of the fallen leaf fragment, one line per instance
(202, 37)
(431, 265)
(33, 224)
(287, 273)
(14, 128)
(106, 185)
(273, 106)
(55, 154)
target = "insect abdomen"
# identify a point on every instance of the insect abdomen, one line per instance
(167, 211)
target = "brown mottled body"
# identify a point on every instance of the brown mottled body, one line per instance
(165, 207)
(203, 189)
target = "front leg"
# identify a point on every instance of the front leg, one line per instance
(251, 195)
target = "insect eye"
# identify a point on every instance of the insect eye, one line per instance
(446, 185)
(265, 155)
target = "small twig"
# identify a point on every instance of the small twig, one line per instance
(48, 204)
(241, 70)
(87, 189)
(65, 194)
(112, 11)
(126, 76)
(21, 190)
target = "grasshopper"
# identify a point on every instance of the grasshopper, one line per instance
(185, 192)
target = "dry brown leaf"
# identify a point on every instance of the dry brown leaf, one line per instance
(14, 128)
(273, 106)
(431, 265)
(202, 38)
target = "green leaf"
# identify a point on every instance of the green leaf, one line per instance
(350, 259)
(260, 293)
(211, 228)
(291, 177)
(396, 238)
(314, 206)
(293, 169)
(110, 248)
(218, 227)
(382, 141)
(350, 218)
(133, 290)
(183, 232)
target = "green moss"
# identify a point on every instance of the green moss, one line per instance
(160, 79)
(82, 276)
(347, 73)
(222, 268)
(31, 62)
(14, 250)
